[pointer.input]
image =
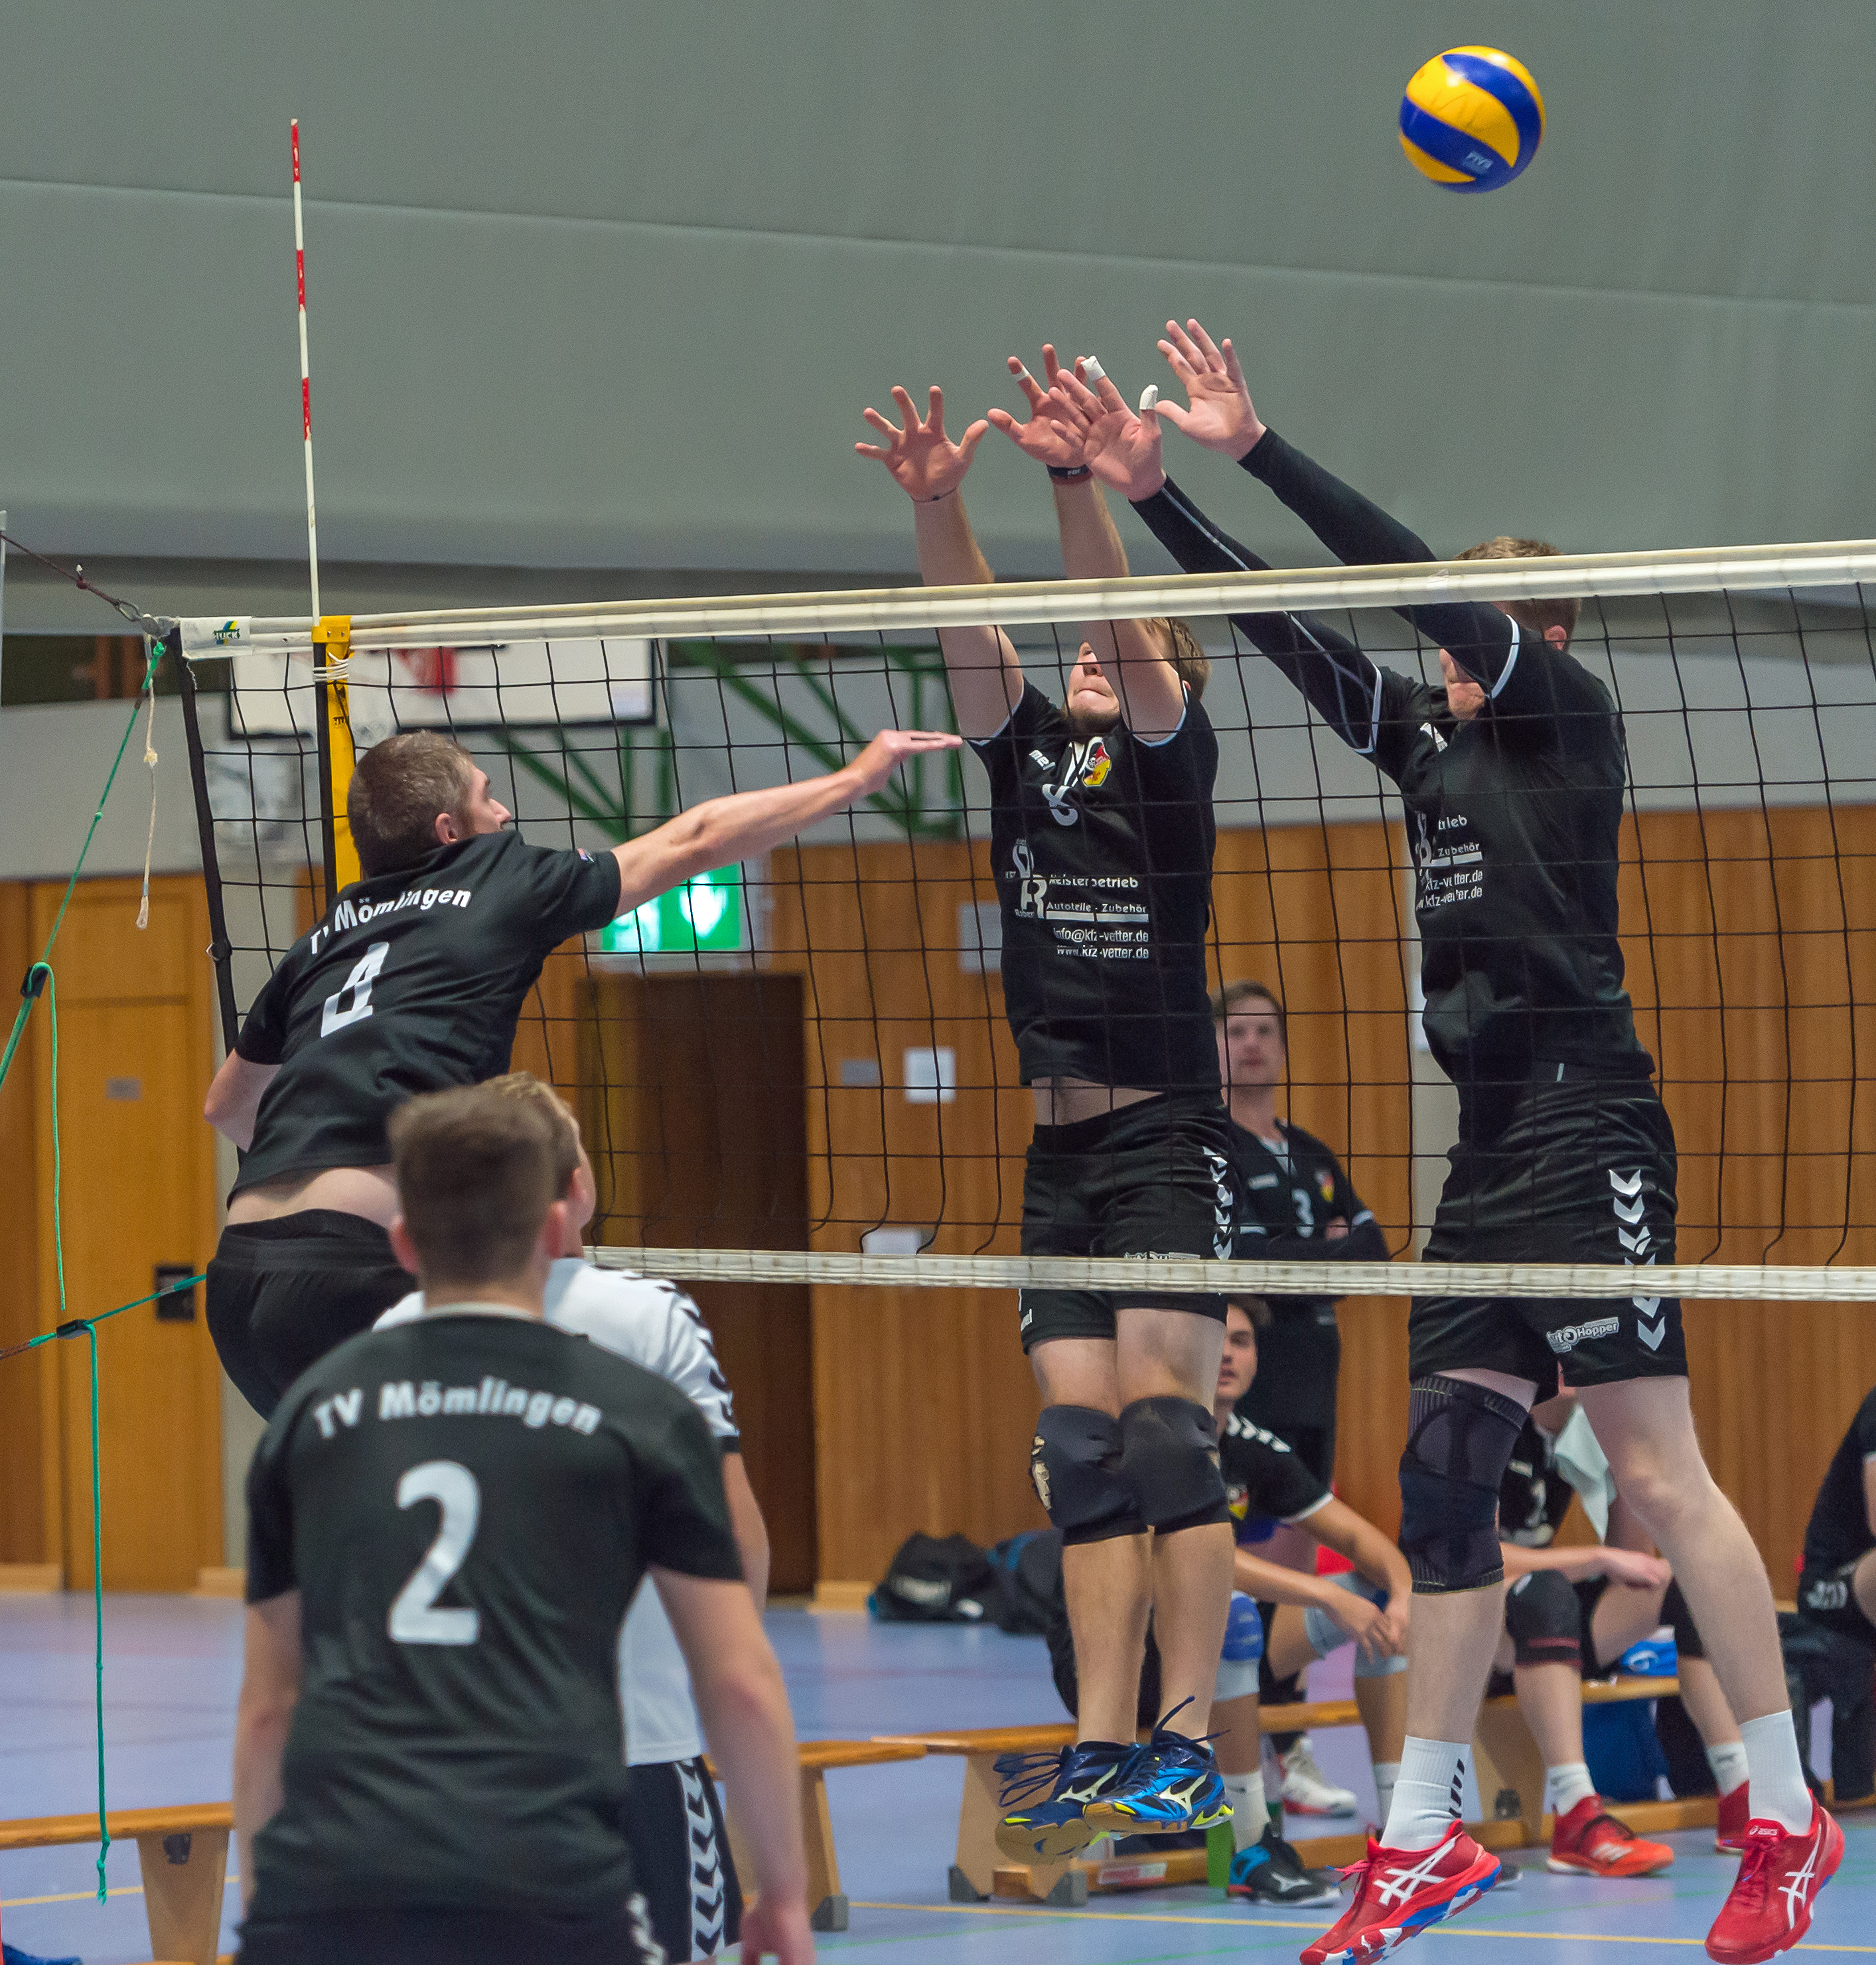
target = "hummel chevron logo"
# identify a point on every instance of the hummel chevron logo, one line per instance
(1632, 1185)
(1636, 1243)
(1632, 1213)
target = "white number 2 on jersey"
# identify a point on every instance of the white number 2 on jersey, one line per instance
(353, 1003)
(414, 1618)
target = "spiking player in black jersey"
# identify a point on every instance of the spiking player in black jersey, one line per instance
(414, 982)
(447, 1522)
(1102, 839)
(1513, 777)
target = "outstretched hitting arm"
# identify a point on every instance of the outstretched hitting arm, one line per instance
(986, 678)
(723, 829)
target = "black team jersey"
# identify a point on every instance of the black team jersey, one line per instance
(1264, 1476)
(1513, 818)
(413, 983)
(1103, 848)
(1288, 1194)
(1533, 1497)
(1838, 1529)
(466, 1504)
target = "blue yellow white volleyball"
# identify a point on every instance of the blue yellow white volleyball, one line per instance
(1472, 119)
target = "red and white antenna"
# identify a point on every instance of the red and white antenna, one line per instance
(306, 377)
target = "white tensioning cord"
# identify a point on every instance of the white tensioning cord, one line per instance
(1709, 1282)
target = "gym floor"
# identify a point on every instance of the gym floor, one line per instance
(172, 1668)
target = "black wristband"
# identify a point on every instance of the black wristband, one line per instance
(1069, 474)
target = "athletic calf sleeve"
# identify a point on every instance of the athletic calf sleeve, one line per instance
(1428, 1794)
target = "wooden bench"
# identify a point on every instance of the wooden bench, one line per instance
(1510, 1770)
(183, 1853)
(827, 1902)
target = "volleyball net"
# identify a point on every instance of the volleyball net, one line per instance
(799, 1068)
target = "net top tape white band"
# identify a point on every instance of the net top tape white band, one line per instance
(888, 610)
(1714, 1281)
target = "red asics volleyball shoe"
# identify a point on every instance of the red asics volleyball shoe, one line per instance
(1399, 1892)
(1587, 1842)
(1769, 1908)
(1735, 1811)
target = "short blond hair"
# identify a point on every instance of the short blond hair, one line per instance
(1538, 615)
(528, 1090)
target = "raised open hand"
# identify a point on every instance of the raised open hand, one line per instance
(921, 457)
(891, 749)
(1041, 437)
(1121, 447)
(1221, 416)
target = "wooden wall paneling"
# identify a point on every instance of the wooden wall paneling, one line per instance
(924, 1404)
(136, 1052)
(874, 930)
(27, 1383)
(692, 1101)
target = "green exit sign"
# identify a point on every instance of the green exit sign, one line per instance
(705, 916)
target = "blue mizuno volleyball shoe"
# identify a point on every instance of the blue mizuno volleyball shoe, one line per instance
(1173, 1785)
(1056, 1790)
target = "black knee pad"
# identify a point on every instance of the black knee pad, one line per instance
(1171, 1448)
(1686, 1637)
(1460, 1438)
(1075, 1461)
(1545, 1618)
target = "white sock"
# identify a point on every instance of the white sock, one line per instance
(1251, 1815)
(1569, 1783)
(1386, 1774)
(1728, 1762)
(1427, 1793)
(1772, 1766)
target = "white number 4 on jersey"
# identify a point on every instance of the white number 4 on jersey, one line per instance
(353, 1003)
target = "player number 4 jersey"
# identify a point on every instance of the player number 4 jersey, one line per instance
(413, 984)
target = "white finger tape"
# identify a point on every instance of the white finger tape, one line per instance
(1149, 396)
(1093, 371)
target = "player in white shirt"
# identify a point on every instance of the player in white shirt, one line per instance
(681, 1855)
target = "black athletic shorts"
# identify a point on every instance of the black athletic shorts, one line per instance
(283, 1293)
(1580, 1171)
(1826, 1597)
(1151, 1179)
(681, 1858)
(425, 1937)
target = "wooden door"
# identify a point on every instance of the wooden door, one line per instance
(695, 1114)
(137, 1193)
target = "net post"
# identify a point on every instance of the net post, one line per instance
(332, 652)
(220, 951)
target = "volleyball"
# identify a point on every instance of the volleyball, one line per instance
(1472, 119)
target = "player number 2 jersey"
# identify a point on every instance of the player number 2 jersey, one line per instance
(467, 1505)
